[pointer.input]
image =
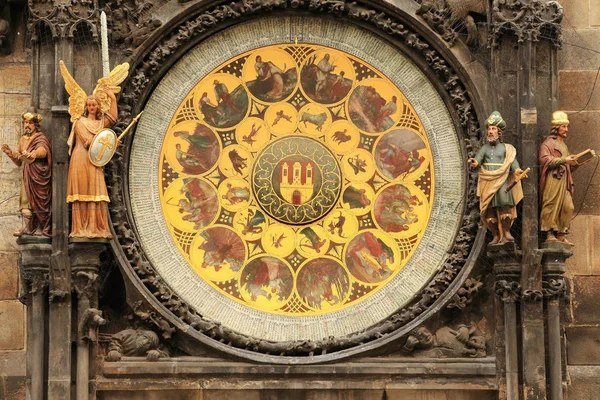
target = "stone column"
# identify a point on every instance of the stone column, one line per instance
(507, 270)
(85, 263)
(34, 268)
(61, 18)
(524, 84)
(554, 288)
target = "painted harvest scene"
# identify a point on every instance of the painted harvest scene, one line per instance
(296, 179)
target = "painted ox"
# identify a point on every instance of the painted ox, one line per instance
(316, 119)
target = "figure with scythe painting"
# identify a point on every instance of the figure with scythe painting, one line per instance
(498, 168)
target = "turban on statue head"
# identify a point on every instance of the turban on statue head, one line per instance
(495, 119)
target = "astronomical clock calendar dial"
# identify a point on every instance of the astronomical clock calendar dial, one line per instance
(291, 190)
(297, 179)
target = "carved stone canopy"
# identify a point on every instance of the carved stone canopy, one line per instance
(152, 250)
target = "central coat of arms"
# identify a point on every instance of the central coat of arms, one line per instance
(296, 180)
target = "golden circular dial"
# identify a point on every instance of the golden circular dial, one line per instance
(296, 180)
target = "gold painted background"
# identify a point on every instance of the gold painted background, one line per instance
(229, 235)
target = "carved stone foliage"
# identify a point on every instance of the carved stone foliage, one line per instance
(449, 17)
(164, 53)
(32, 282)
(554, 288)
(532, 20)
(464, 296)
(135, 343)
(509, 290)
(532, 295)
(462, 341)
(129, 23)
(63, 19)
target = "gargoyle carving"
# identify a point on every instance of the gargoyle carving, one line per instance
(89, 323)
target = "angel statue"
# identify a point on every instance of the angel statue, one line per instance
(86, 187)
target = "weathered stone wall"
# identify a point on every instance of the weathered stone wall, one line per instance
(15, 80)
(578, 71)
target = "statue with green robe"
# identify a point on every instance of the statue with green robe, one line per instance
(497, 166)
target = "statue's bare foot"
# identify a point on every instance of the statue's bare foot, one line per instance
(508, 238)
(563, 238)
(550, 237)
(495, 240)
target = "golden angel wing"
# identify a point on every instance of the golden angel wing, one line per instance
(77, 96)
(110, 83)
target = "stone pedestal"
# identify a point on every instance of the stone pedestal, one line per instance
(85, 263)
(507, 273)
(554, 288)
(34, 269)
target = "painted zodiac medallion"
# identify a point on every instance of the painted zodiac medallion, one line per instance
(296, 179)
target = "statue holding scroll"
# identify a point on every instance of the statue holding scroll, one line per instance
(86, 188)
(556, 181)
(499, 187)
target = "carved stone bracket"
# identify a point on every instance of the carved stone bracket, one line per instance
(85, 261)
(155, 60)
(526, 19)
(34, 269)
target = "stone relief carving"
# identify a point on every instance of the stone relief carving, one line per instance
(151, 317)
(129, 24)
(62, 19)
(447, 18)
(135, 343)
(158, 57)
(538, 19)
(465, 294)
(464, 341)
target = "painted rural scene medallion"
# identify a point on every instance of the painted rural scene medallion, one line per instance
(296, 179)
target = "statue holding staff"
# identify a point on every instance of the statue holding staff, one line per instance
(498, 170)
